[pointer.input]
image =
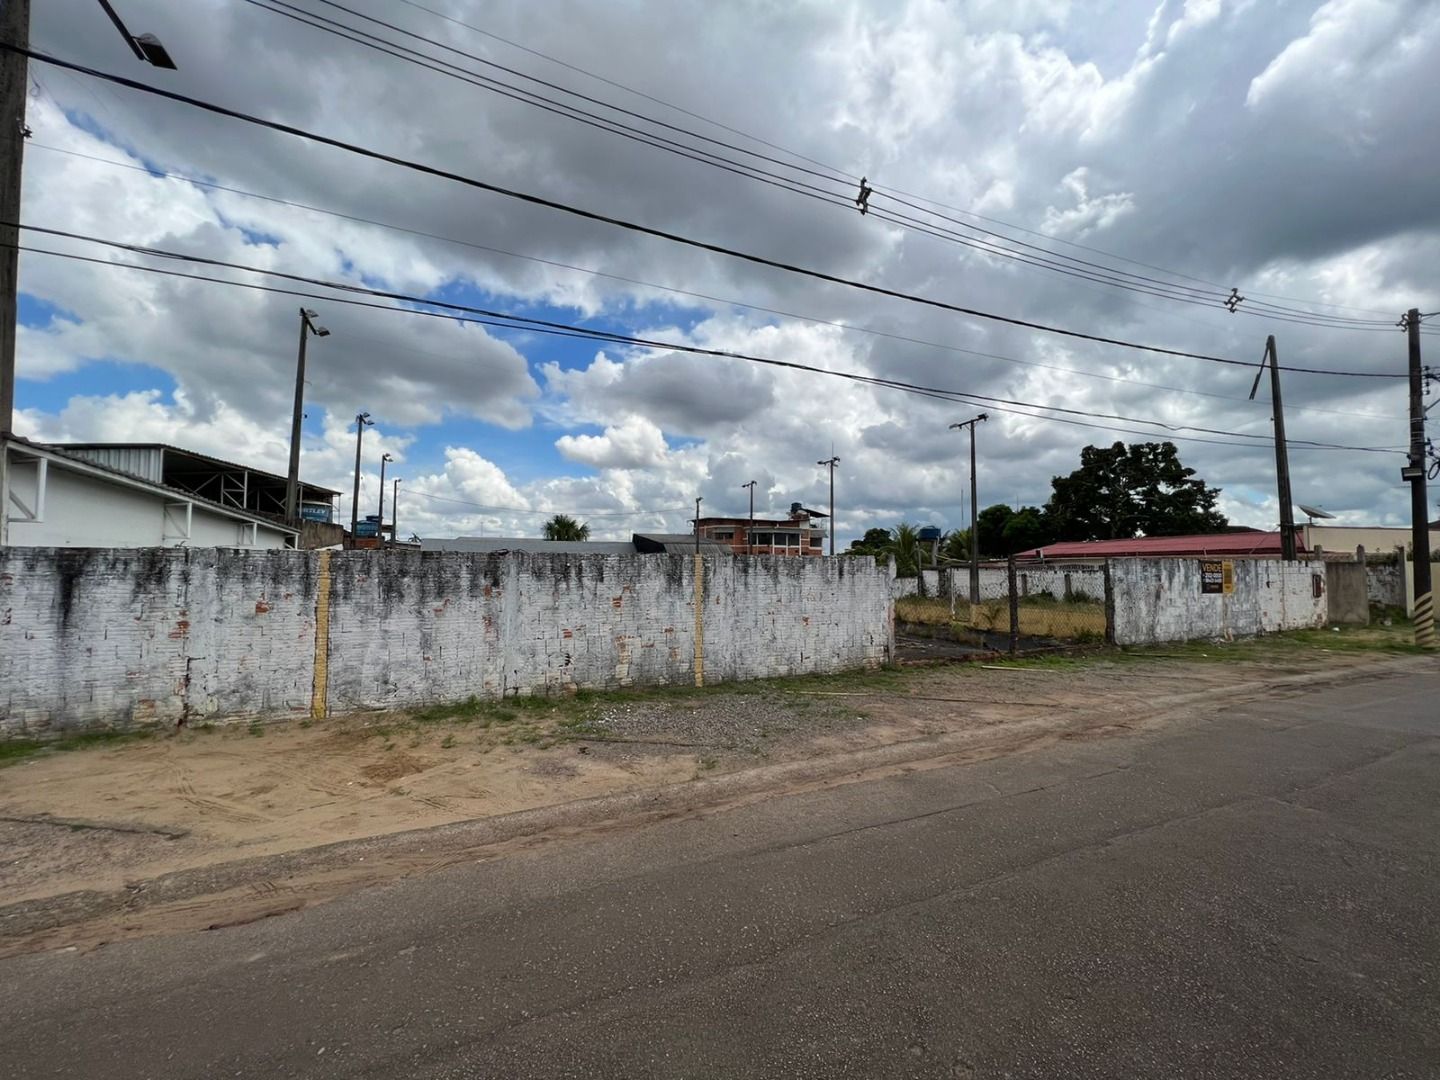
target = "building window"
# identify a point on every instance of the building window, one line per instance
(725, 534)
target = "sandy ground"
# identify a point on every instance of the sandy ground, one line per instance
(109, 818)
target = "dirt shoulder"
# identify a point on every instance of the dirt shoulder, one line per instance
(200, 828)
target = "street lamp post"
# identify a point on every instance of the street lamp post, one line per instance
(383, 459)
(831, 463)
(974, 525)
(750, 536)
(394, 511)
(308, 326)
(361, 420)
(146, 47)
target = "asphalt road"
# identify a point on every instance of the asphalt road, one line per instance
(1253, 895)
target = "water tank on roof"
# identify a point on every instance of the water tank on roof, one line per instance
(929, 533)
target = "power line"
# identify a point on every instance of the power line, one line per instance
(850, 327)
(833, 171)
(525, 510)
(503, 320)
(646, 230)
(1080, 269)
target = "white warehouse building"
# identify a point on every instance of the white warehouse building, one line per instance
(60, 497)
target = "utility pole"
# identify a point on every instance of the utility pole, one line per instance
(14, 87)
(831, 463)
(361, 419)
(1282, 453)
(383, 459)
(394, 512)
(750, 536)
(292, 479)
(1424, 616)
(698, 500)
(974, 503)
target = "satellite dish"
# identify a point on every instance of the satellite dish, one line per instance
(1314, 512)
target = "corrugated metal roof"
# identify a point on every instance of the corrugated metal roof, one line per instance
(81, 449)
(527, 544)
(59, 454)
(142, 461)
(1248, 543)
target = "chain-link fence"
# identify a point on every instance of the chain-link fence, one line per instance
(1014, 606)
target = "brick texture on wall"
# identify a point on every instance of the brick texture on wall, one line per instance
(128, 638)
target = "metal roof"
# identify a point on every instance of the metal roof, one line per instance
(1245, 543)
(530, 544)
(677, 543)
(83, 464)
(73, 448)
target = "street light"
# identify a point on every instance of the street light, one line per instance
(750, 536)
(361, 420)
(146, 47)
(383, 459)
(308, 326)
(974, 527)
(395, 511)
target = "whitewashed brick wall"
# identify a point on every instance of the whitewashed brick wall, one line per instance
(1160, 600)
(101, 638)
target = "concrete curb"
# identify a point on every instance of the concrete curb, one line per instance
(477, 836)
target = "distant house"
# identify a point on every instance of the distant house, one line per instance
(1232, 544)
(798, 534)
(63, 496)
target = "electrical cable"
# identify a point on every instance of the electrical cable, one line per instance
(852, 177)
(646, 230)
(1106, 275)
(834, 175)
(850, 327)
(578, 513)
(504, 320)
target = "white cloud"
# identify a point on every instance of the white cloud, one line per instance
(1250, 144)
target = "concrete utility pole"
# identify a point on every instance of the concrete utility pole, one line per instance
(974, 504)
(394, 511)
(361, 419)
(831, 463)
(292, 479)
(1282, 453)
(383, 459)
(14, 86)
(750, 536)
(1424, 617)
(698, 500)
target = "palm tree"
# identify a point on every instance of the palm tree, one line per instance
(565, 527)
(907, 551)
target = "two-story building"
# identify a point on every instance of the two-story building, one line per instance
(798, 534)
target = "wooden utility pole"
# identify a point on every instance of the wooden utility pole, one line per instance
(1282, 454)
(974, 508)
(1424, 615)
(14, 87)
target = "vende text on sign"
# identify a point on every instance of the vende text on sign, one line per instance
(1217, 576)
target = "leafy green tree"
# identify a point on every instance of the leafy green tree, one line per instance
(875, 542)
(956, 546)
(565, 527)
(1026, 529)
(991, 528)
(1123, 491)
(905, 548)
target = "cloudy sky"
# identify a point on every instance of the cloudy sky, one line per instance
(1284, 148)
